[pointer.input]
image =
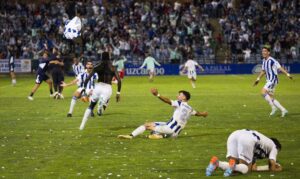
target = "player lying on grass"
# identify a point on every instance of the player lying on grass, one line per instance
(181, 115)
(80, 79)
(244, 147)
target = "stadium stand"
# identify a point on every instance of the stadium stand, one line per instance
(169, 31)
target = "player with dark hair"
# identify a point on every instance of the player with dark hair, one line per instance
(244, 147)
(269, 68)
(172, 128)
(57, 74)
(80, 79)
(103, 90)
(42, 74)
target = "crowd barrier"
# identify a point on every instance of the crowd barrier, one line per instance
(133, 70)
(21, 66)
(25, 66)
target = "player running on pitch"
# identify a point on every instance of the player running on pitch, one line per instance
(42, 74)
(244, 147)
(119, 64)
(190, 67)
(150, 62)
(80, 79)
(269, 68)
(178, 121)
(103, 90)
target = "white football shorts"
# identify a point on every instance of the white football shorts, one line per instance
(192, 74)
(102, 91)
(240, 145)
(270, 87)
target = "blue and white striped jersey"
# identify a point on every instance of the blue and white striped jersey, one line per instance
(77, 69)
(83, 76)
(270, 66)
(181, 114)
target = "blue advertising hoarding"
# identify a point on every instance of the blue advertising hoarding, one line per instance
(172, 69)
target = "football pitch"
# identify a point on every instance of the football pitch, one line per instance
(37, 140)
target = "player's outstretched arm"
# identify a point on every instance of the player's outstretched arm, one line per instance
(200, 67)
(154, 91)
(286, 73)
(63, 84)
(158, 64)
(203, 114)
(273, 166)
(258, 78)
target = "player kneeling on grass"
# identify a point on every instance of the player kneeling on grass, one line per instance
(243, 148)
(178, 121)
(80, 79)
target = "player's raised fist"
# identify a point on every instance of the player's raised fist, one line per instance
(154, 91)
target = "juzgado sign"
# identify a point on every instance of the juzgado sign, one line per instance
(143, 71)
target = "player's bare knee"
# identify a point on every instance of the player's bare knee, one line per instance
(263, 91)
(77, 94)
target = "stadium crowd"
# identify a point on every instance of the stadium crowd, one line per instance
(169, 31)
(254, 23)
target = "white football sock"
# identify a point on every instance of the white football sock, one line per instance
(278, 105)
(72, 105)
(223, 165)
(85, 118)
(269, 100)
(193, 84)
(239, 167)
(14, 81)
(242, 168)
(138, 131)
(151, 77)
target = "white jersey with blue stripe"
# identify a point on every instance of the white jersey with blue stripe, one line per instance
(180, 116)
(77, 69)
(83, 76)
(270, 66)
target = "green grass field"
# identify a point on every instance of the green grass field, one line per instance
(37, 140)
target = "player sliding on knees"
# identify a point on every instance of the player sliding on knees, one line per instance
(269, 68)
(103, 90)
(181, 115)
(79, 80)
(244, 147)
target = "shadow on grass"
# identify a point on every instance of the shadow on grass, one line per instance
(132, 127)
(293, 114)
(198, 135)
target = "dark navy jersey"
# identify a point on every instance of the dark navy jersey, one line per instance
(105, 72)
(43, 65)
(11, 59)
